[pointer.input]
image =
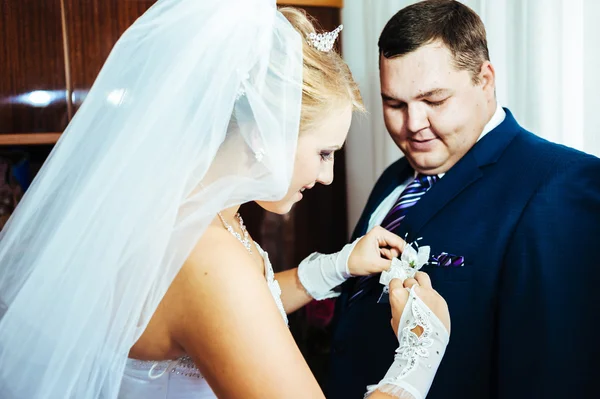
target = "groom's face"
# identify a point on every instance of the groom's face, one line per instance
(432, 110)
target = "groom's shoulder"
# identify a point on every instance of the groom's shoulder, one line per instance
(539, 151)
(532, 161)
(524, 146)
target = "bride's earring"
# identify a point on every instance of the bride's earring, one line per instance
(259, 154)
(256, 145)
(242, 91)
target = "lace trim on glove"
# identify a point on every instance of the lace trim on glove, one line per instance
(413, 347)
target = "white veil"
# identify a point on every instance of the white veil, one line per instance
(166, 138)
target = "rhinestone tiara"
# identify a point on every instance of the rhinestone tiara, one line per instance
(324, 41)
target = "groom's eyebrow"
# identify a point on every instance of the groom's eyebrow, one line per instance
(387, 97)
(428, 93)
(433, 92)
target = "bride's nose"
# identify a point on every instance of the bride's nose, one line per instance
(326, 174)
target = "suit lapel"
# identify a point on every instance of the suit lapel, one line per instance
(461, 176)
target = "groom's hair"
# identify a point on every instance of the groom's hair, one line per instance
(451, 22)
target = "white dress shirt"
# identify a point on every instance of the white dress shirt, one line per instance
(387, 204)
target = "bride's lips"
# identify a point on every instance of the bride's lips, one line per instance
(304, 188)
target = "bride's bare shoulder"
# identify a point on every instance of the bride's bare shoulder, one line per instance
(216, 247)
(215, 242)
(202, 277)
(216, 260)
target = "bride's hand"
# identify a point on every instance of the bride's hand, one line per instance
(374, 251)
(408, 377)
(399, 297)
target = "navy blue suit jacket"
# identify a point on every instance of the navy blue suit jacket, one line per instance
(525, 214)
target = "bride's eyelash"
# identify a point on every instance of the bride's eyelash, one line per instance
(327, 156)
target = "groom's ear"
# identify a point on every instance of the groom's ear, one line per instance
(487, 77)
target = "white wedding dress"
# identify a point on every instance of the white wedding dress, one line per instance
(180, 379)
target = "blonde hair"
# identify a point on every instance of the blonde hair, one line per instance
(327, 81)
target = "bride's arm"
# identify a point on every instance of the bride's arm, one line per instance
(224, 317)
(318, 274)
(227, 321)
(293, 294)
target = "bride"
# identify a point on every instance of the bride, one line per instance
(126, 271)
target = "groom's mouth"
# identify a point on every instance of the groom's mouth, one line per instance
(422, 144)
(423, 139)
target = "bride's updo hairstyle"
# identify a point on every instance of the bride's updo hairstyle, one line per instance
(328, 84)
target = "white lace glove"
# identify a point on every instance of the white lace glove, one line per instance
(321, 273)
(418, 357)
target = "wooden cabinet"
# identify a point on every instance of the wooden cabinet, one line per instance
(33, 88)
(52, 53)
(92, 28)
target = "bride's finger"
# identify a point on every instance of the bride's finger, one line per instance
(396, 284)
(409, 282)
(398, 300)
(382, 264)
(388, 253)
(391, 240)
(423, 279)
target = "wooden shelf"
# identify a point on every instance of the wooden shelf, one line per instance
(29, 138)
(312, 3)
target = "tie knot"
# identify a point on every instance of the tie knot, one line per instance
(427, 180)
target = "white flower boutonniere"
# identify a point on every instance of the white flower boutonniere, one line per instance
(413, 258)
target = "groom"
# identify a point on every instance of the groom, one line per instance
(513, 222)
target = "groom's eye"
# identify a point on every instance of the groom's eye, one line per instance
(396, 105)
(435, 103)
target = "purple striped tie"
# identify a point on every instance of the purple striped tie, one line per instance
(410, 196)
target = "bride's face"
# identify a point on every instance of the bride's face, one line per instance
(314, 158)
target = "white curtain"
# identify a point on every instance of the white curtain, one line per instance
(547, 57)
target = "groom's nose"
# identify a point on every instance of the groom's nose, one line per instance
(416, 118)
